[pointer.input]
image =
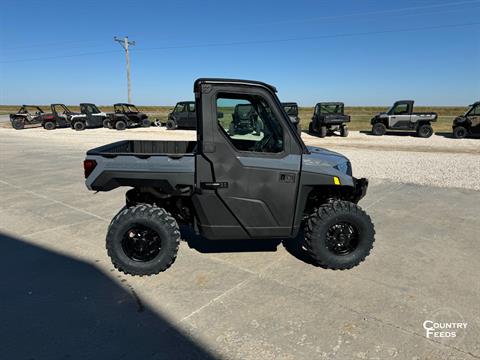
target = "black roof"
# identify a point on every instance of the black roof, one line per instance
(200, 81)
(186, 102)
(475, 103)
(289, 104)
(330, 103)
(126, 104)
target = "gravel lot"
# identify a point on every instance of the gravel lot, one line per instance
(437, 161)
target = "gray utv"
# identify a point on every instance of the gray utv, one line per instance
(231, 186)
(291, 108)
(327, 118)
(401, 117)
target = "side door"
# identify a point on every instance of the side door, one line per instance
(248, 182)
(192, 116)
(400, 116)
(475, 120)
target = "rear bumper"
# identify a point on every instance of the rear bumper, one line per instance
(360, 189)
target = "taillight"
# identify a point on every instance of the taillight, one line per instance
(88, 166)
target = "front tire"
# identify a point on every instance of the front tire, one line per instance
(146, 123)
(171, 124)
(339, 235)
(424, 131)
(79, 125)
(143, 240)
(344, 131)
(459, 132)
(106, 124)
(323, 131)
(379, 129)
(120, 125)
(49, 125)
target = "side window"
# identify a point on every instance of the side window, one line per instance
(179, 108)
(401, 109)
(249, 123)
(191, 107)
(476, 111)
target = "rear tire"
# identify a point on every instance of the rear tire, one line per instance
(311, 131)
(146, 123)
(344, 131)
(49, 125)
(79, 125)
(18, 124)
(424, 131)
(120, 125)
(143, 240)
(379, 129)
(339, 235)
(323, 131)
(106, 124)
(171, 125)
(459, 132)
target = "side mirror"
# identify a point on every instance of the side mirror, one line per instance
(219, 115)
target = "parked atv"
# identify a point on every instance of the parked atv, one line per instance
(27, 115)
(90, 117)
(291, 108)
(126, 116)
(245, 121)
(327, 118)
(468, 124)
(183, 116)
(401, 117)
(59, 118)
(225, 186)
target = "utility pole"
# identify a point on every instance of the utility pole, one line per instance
(125, 44)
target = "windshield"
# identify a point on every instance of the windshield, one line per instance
(330, 109)
(132, 108)
(473, 110)
(291, 110)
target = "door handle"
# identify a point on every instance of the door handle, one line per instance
(214, 185)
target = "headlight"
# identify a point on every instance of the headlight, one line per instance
(344, 167)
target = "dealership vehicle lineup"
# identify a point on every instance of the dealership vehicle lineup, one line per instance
(243, 124)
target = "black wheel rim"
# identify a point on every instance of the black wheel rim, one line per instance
(342, 238)
(141, 243)
(425, 131)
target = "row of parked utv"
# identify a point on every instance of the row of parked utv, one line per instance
(90, 116)
(328, 118)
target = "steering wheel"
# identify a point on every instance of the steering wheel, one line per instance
(261, 145)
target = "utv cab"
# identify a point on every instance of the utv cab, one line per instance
(27, 115)
(291, 108)
(245, 121)
(327, 118)
(468, 124)
(183, 116)
(90, 117)
(125, 116)
(401, 117)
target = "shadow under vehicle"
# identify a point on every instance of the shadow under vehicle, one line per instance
(90, 116)
(291, 108)
(27, 115)
(402, 117)
(468, 124)
(327, 118)
(231, 186)
(183, 116)
(126, 115)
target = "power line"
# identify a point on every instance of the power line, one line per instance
(266, 41)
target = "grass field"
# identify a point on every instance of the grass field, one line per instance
(361, 115)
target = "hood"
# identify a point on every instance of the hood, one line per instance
(320, 157)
